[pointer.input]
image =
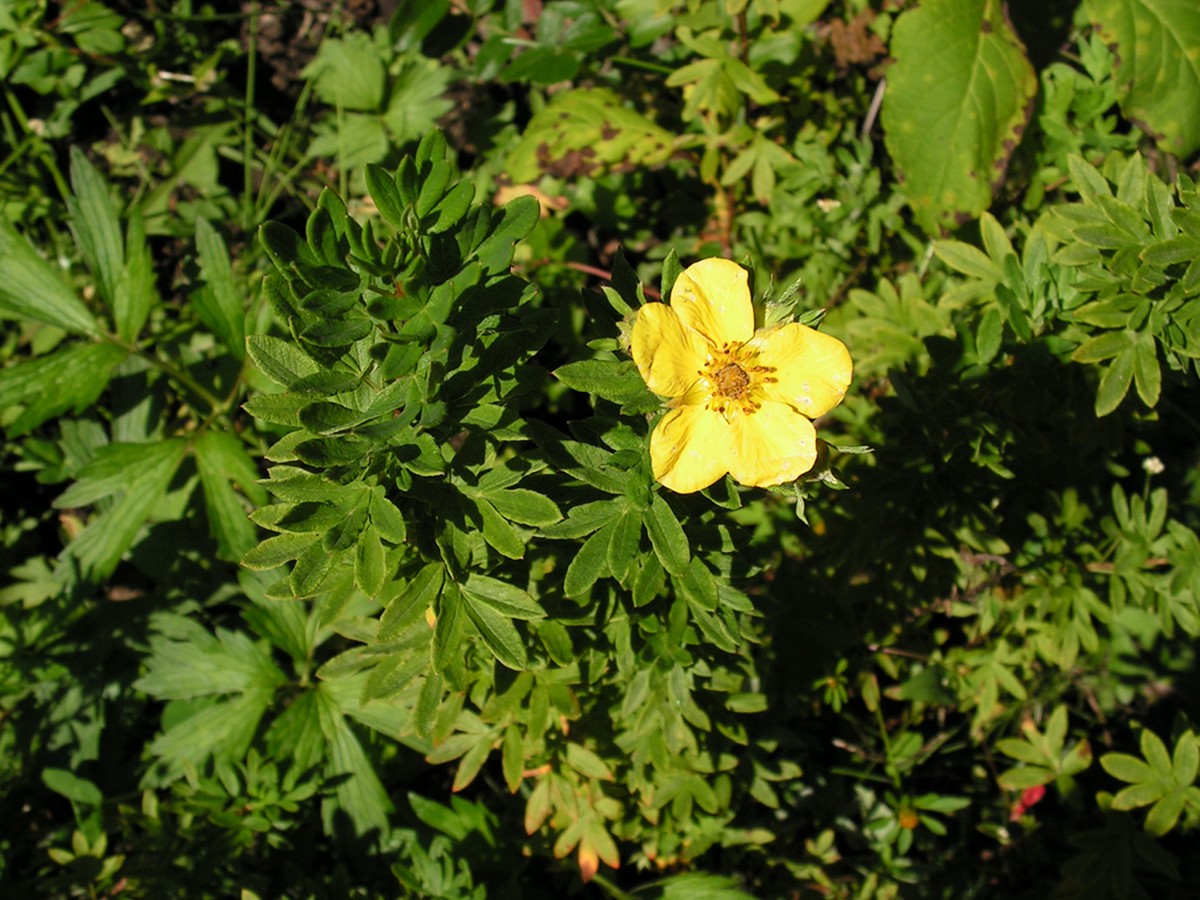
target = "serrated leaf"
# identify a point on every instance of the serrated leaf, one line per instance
(68, 379)
(359, 792)
(221, 306)
(338, 332)
(96, 226)
(326, 417)
(225, 470)
(100, 546)
(278, 409)
(958, 97)
(187, 661)
(31, 289)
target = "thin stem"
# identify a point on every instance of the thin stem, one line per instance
(44, 151)
(632, 63)
(215, 403)
(248, 125)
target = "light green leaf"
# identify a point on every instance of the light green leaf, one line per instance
(1103, 346)
(957, 100)
(1114, 383)
(220, 306)
(31, 289)
(348, 72)
(360, 794)
(498, 632)
(1147, 375)
(137, 291)
(68, 379)
(587, 763)
(525, 506)
(96, 226)
(507, 599)
(418, 98)
(412, 601)
(188, 661)
(277, 550)
(498, 532)
(591, 119)
(967, 259)
(1158, 65)
(99, 547)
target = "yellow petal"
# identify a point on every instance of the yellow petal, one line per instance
(669, 356)
(774, 445)
(813, 369)
(690, 448)
(713, 297)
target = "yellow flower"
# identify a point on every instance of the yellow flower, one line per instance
(741, 401)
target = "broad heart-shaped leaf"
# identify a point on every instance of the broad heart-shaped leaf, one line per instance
(1158, 65)
(958, 98)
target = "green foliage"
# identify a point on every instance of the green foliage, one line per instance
(1157, 67)
(335, 565)
(960, 74)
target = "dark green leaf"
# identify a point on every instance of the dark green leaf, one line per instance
(589, 564)
(225, 469)
(666, 536)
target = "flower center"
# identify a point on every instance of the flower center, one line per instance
(735, 380)
(732, 381)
